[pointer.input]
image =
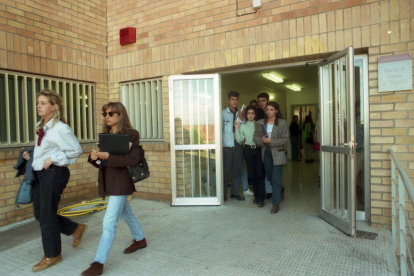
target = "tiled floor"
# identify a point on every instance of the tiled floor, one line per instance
(234, 239)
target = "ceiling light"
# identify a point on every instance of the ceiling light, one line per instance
(293, 87)
(272, 77)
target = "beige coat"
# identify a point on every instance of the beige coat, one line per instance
(279, 139)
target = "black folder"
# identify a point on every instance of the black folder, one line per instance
(116, 144)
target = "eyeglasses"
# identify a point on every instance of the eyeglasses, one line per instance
(110, 113)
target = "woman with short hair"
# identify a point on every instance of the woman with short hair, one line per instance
(252, 155)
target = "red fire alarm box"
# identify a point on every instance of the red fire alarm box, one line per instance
(127, 36)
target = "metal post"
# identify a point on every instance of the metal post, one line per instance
(393, 207)
(403, 247)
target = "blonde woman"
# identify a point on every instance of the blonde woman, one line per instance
(114, 180)
(55, 149)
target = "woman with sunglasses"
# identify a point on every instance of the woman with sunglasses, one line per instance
(115, 181)
(55, 149)
(273, 150)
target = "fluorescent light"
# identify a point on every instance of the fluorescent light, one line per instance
(293, 87)
(272, 77)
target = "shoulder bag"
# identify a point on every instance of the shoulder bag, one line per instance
(140, 171)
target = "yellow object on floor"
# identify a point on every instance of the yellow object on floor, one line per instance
(101, 205)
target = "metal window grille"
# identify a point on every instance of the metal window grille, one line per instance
(143, 101)
(18, 113)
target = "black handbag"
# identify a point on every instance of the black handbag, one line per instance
(140, 171)
(309, 140)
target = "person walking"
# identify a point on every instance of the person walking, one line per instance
(55, 149)
(294, 137)
(252, 155)
(114, 180)
(273, 150)
(307, 139)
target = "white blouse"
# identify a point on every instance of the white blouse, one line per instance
(59, 143)
(269, 128)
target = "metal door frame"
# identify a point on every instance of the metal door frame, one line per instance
(218, 200)
(349, 227)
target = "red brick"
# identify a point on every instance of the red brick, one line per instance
(309, 11)
(331, 7)
(289, 15)
(352, 3)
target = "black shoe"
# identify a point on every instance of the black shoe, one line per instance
(255, 201)
(225, 198)
(268, 196)
(260, 203)
(238, 197)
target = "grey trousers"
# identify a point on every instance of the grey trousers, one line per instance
(232, 160)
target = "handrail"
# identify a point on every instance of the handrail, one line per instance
(406, 180)
(407, 186)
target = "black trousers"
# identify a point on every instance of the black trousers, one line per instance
(255, 171)
(46, 196)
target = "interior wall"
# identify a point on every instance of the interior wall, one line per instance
(304, 97)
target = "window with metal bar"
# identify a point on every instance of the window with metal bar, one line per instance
(143, 102)
(18, 113)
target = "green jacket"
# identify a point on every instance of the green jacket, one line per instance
(306, 131)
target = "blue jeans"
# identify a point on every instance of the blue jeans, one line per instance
(294, 140)
(118, 207)
(274, 175)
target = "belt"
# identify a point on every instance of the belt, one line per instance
(252, 146)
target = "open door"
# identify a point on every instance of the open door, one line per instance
(336, 77)
(195, 136)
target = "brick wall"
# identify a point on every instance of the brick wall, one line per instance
(79, 39)
(58, 38)
(175, 37)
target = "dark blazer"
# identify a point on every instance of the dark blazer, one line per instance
(114, 178)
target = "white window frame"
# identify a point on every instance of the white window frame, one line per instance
(143, 102)
(76, 95)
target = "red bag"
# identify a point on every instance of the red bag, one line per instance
(316, 145)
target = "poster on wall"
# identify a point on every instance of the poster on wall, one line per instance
(395, 73)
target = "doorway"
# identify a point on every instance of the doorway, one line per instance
(250, 82)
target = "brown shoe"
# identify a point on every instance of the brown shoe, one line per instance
(95, 269)
(77, 235)
(45, 263)
(275, 209)
(135, 246)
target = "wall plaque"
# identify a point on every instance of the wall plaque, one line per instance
(395, 73)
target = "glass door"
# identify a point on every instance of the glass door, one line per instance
(195, 135)
(337, 85)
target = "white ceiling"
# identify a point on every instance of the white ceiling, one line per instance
(304, 77)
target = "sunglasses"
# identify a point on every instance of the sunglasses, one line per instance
(110, 113)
